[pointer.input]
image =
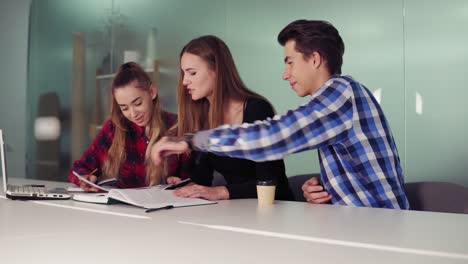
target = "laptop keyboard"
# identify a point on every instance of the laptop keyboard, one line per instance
(27, 189)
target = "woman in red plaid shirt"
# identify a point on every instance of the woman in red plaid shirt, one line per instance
(120, 148)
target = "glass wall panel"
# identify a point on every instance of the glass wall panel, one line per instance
(373, 36)
(82, 43)
(436, 79)
(53, 24)
(410, 53)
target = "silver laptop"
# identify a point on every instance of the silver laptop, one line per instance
(27, 192)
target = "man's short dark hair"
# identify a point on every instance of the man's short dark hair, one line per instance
(316, 35)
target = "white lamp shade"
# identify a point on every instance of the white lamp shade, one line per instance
(47, 128)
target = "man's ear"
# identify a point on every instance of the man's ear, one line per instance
(153, 92)
(316, 59)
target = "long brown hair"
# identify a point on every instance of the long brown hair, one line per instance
(192, 115)
(127, 74)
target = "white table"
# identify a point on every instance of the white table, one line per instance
(236, 231)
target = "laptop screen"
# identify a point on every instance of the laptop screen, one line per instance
(2, 152)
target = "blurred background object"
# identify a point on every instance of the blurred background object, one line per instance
(47, 133)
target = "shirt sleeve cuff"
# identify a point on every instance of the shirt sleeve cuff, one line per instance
(201, 140)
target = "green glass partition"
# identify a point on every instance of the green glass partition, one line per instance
(436, 67)
(103, 32)
(373, 36)
(410, 53)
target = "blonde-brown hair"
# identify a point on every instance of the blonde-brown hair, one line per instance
(132, 73)
(198, 115)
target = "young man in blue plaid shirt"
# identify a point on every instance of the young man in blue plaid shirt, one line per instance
(358, 157)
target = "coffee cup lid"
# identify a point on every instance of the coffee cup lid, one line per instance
(266, 182)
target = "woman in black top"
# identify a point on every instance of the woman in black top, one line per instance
(210, 93)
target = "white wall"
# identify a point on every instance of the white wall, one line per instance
(14, 27)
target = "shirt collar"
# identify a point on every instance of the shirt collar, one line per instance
(134, 128)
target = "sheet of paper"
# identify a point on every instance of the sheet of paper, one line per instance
(91, 183)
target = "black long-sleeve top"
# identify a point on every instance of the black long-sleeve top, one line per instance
(241, 174)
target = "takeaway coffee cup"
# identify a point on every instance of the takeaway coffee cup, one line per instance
(266, 192)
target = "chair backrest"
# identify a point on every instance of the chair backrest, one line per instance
(437, 197)
(296, 182)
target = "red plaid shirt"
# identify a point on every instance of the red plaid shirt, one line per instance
(132, 172)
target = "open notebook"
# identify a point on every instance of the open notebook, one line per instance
(149, 198)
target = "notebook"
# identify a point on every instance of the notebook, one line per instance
(150, 198)
(27, 192)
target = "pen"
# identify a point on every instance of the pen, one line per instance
(91, 173)
(178, 185)
(160, 208)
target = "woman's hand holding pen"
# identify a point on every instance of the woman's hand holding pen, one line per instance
(92, 178)
(173, 180)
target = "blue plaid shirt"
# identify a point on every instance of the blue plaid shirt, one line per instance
(359, 161)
